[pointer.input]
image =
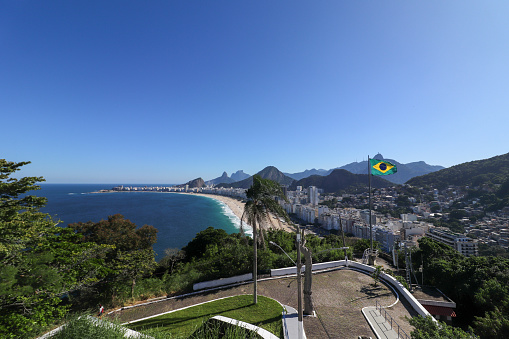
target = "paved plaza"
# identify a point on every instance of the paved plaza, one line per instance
(338, 296)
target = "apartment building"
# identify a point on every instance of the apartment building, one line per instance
(464, 245)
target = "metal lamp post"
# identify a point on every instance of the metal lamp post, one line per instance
(298, 265)
(299, 285)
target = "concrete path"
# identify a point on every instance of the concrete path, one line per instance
(383, 328)
(291, 324)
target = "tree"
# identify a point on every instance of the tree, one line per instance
(427, 328)
(171, 257)
(38, 264)
(362, 244)
(260, 204)
(493, 325)
(376, 274)
(197, 247)
(21, 221)
(117, 231)
(132, 255)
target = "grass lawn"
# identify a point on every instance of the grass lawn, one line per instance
(181, 324)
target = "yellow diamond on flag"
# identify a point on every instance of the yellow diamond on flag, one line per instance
(383, 166)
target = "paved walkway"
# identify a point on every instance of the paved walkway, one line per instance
(384, 329)
(291, 324)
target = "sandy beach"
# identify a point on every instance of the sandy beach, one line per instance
(237, 208)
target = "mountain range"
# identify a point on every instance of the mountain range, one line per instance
(269, 172)
(488, 175)
(340, 180)
(225, 179)
(405, 171)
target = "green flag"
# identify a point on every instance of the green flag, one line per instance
(381, 167)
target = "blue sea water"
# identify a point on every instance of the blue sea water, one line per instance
(178, 217)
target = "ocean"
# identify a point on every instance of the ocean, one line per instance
(178, 217)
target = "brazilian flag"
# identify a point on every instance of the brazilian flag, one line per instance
(381, 167)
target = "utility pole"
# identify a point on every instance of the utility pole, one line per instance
(308, 276)
(299, 286)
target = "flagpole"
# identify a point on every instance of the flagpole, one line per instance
(370, 224)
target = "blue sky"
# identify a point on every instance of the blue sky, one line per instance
(168, 91)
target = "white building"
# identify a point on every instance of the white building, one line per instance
(313, 195)
(465, 245)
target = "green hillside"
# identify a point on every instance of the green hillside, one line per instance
(491, 172)
(341, 180)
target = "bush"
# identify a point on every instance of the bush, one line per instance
(86, 327)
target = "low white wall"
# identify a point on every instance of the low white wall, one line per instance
(397, 285)
(320, 266)
(222, 282)
(366, 268)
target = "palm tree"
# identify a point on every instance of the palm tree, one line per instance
(260, 204)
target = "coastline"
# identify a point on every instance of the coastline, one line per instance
(237, 207)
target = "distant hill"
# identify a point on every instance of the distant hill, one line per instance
(308, 173)
(341, 180)
(196, 183)
(225, 179)
(269, 172)
(492, 171)
(405, 171)
(239, 175)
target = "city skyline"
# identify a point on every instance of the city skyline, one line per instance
(165, 92)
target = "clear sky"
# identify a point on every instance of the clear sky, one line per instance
(168, 91)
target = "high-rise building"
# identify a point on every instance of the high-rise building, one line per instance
(313, 195)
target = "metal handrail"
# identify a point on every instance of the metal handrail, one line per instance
(401, 332)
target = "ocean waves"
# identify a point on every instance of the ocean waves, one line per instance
(248, 230)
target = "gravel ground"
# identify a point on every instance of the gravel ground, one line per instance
(338, 298)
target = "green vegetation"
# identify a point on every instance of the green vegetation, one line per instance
(427, 328)
(41, 265)
(213, 329)
(486, 180)
(478, 285)
(48, 273)
(489, 172)
(376, 274)
(224, 255)
(266, 314)
(257, 210)
(86, 327)
(331, 204)
(131, 256)
(493, 251)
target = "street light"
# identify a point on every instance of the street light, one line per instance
(299, 282)
(273, 243)
(299, 286)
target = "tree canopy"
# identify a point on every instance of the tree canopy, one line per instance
(478, 285)
(40, 263)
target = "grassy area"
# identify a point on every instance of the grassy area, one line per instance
(181, 324)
